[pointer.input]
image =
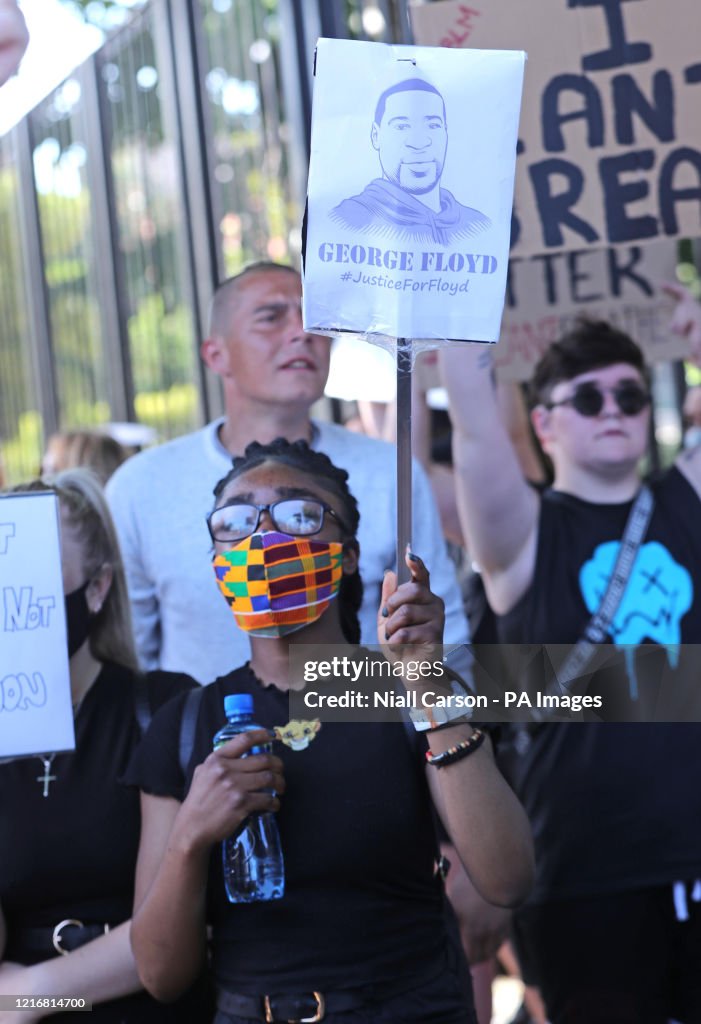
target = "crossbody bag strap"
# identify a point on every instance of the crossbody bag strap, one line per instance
(597, 628)
(188, 724)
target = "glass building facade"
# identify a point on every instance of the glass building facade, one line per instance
(171, 158)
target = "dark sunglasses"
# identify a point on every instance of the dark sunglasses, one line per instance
(588, 398)
(298, 517)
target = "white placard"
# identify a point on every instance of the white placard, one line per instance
(410, 191)
(360, 371)
(35, 693)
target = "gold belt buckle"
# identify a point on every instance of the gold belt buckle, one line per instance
(56, 937)
(319, 1014)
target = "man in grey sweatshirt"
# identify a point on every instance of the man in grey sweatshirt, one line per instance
(272, 372)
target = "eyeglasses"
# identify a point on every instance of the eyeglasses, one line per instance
(588, 398)
(300, 517)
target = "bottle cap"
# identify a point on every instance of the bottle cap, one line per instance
(238, 704)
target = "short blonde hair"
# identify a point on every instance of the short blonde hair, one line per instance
(86, 448)
(226, 293)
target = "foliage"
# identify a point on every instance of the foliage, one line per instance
(162, 350)
(21, 454)
(171, 412)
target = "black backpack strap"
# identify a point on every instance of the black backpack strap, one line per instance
(191, 709)
(142, 705)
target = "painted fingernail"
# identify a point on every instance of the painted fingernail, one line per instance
(385, 612)
(386, 635)
(413, 557)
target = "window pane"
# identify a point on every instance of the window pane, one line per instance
(60, 159)
(258, 217)
(21, 432)
(151, 228)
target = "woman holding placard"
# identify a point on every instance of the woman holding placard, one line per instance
(69, 833)
(359, 934)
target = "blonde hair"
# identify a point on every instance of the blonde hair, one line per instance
(87, 448)
(81, 497)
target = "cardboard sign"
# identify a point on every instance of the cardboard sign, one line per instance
(35, 694)
(410, 190)
(621, 285)
(610, 145)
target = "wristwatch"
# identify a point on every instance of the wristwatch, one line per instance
(457, 666)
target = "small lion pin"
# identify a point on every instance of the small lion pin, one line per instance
(298, 733)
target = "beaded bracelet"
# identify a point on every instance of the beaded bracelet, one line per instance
(457, 752)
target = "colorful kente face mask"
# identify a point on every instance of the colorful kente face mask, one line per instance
(275, 584)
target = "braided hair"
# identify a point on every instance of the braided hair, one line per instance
(298, 455)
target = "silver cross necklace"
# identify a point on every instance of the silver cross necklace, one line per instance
(48, 759)
(46, 778)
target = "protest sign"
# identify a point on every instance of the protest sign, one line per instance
(609, 142)
(35, 696)
(621, 285)
(410, 190)
(544, 295)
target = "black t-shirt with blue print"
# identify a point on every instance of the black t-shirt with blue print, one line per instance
(616, 806)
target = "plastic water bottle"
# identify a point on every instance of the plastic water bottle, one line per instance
(252, 859)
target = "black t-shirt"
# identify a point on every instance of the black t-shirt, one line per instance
(361, 905)
(72, 854)
(616, 806)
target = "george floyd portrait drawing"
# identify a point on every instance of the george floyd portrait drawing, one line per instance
(410, 134)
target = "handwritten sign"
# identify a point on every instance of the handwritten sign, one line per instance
(621, 285)
(610, 149)
(410, 190)
(35, 696)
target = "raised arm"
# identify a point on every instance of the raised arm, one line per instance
(686, 322)
(498, 510)
(486, 824)
(514, 415)
(689, 463)
(484, 820)
(686, 319)
(168, 929)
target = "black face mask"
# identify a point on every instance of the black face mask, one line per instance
(77, 618)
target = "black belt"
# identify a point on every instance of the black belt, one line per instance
(64, 937)
(311, 1007)
(301, 1008)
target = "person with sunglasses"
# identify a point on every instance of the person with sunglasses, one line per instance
(612, 931)
(359, 936)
